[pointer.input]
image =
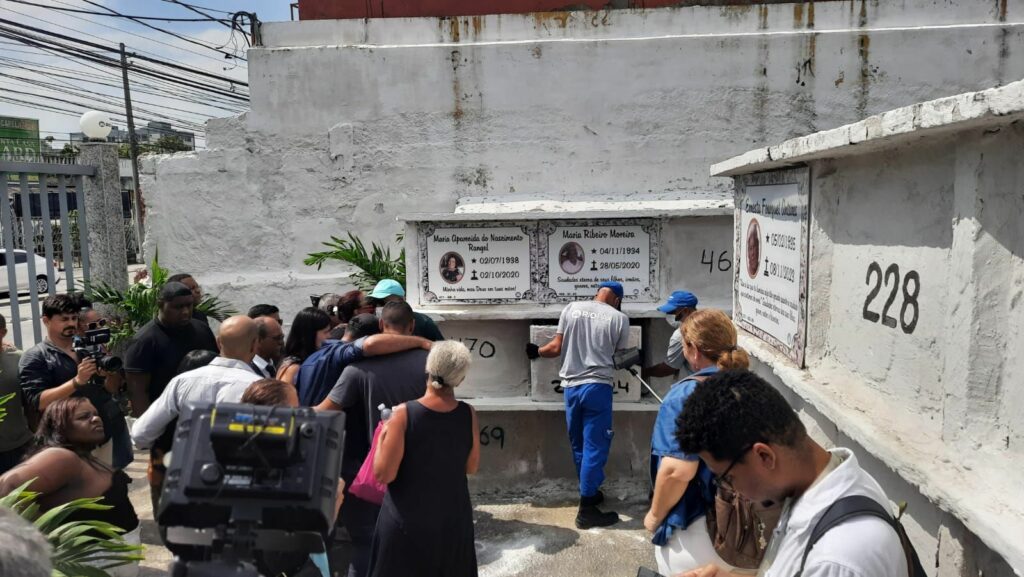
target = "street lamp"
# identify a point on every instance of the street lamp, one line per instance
(95, 125)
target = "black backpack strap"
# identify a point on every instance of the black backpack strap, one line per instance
(860, 506)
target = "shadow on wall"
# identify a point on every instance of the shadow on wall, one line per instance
(900, 198)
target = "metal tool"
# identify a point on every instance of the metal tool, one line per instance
(628, 359)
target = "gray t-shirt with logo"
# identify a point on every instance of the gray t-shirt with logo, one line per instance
(591, 333)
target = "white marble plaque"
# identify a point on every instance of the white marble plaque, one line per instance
(580, 256)
(545, 384)
(771, 274)
(476, 264)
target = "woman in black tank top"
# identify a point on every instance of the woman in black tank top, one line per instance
(426, 449)
(62, 468)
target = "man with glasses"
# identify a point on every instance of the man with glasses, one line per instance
(755, 443)
(52, 370)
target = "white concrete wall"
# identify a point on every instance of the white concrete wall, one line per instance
(353, 122)
(936, 412)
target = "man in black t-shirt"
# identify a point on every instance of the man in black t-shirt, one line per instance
(159, 346)
(152, 361)
(197, 294)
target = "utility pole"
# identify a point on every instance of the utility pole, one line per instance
(133, 147)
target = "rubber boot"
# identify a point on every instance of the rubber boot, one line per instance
(589, 516)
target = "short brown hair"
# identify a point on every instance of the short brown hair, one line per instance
(267, 392)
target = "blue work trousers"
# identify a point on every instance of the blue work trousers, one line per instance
(588, 413)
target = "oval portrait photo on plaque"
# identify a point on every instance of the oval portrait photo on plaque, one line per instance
(453, 267)
(753, 248)
(571, 258)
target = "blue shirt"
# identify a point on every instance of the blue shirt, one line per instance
(698, 494)
(322, 369)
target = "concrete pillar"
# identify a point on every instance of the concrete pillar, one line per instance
(104, 215)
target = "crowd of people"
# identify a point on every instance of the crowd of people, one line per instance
(736, 481)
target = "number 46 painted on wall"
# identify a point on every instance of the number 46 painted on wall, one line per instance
(909, 296)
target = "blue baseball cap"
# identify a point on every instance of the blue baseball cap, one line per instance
(387, 288)
(678, 300)
(610, 284)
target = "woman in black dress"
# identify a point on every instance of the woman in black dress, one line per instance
(425, 451)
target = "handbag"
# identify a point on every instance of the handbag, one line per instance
(365, 485)
(741, 529)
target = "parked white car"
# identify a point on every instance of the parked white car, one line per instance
(21, 271)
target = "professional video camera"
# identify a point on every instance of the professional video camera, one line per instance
(246, 480)
(90, 346)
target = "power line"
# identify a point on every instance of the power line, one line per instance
(7, 32)
(219, 61)
(111, 49)
(196, 6)
(167, 91)
(64, 87)
(176, 35)
(156, 18)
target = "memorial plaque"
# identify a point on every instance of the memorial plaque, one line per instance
(486, 264)
(771, 246)
(545, 384)
(580, 255)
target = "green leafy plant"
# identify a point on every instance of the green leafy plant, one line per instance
(75, 543)
(372, 265)
(3, 408)
(138, 305)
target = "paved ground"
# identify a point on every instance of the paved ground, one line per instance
(523, 535)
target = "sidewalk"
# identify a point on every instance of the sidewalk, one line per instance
(515, 536)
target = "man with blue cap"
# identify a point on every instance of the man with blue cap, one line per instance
(589, 333)
(390, 290)
(680, 305)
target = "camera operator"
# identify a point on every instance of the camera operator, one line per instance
(54, 370)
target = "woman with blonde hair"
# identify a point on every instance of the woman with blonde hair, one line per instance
(682, 484)
(424, 453)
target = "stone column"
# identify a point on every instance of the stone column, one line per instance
(104, 215)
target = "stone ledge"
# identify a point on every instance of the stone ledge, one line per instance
(521, 404)
(970, 110)
(539, 311)
(979, 489)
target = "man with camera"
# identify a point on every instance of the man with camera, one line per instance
(54, 369)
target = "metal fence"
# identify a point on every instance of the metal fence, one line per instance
(71, 238)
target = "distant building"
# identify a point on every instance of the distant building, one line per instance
(148, 134)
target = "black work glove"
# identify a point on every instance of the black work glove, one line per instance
(532, 351)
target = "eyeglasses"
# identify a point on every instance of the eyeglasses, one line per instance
(96, 325)
(723, 479)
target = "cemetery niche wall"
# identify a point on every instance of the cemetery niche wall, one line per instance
(907, 228)
(497, 281)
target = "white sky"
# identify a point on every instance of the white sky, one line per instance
(19, 63)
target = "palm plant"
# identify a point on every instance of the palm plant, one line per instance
(372, 266)
(138, 305)
(3, 409)
(80, 548)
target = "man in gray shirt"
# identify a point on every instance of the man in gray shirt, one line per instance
(680, 305)
(389, 379)
(588, 335)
